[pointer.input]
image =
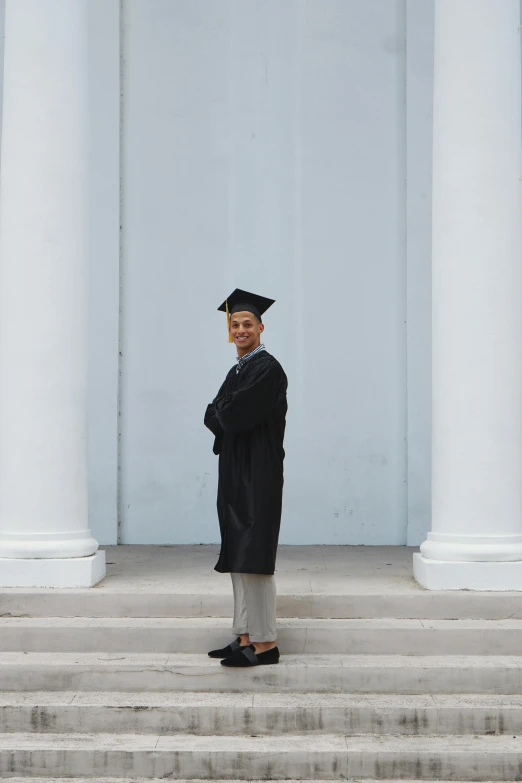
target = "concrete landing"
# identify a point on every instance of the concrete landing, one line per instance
(345, 582)
(307, 570)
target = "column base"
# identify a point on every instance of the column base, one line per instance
(460, 575)
(53, 572)
(472, 548)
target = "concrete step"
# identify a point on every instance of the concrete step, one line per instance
(304, 757)
(390, 674)
(193, 780)
(296, 636)
(259, 713)
(185, 602)
(158, 780)
(153, 780)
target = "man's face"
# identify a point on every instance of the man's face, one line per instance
(246, 332)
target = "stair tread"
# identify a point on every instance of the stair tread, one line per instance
(152, 672)
(264, 744)
(201, 659)
(199, 780)
(279, 701)
(294, 600)
(224, 622)
(192, 780)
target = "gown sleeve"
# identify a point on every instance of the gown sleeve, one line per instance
(212, 423)
(249, 404)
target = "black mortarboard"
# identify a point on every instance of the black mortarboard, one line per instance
(243, 300)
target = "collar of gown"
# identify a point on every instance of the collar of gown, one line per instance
(244, 359)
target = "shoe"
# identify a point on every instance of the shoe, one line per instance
(226, 652)
(247, 656)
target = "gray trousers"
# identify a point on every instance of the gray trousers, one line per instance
(255, 606)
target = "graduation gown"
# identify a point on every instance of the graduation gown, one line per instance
(247, 418)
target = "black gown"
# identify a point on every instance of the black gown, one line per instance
(247, 419)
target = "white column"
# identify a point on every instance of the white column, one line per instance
(476, 538)
(44, 534)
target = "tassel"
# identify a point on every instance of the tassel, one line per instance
(230, 340)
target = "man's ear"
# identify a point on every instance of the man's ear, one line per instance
(261, 327)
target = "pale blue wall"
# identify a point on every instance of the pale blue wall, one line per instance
(264, 146)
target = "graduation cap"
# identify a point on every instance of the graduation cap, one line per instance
(240, 301)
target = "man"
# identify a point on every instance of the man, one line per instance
(247, 419)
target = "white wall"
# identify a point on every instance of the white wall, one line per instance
(264, 146)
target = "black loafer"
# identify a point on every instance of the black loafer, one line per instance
(247, 656)
(226, 652)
